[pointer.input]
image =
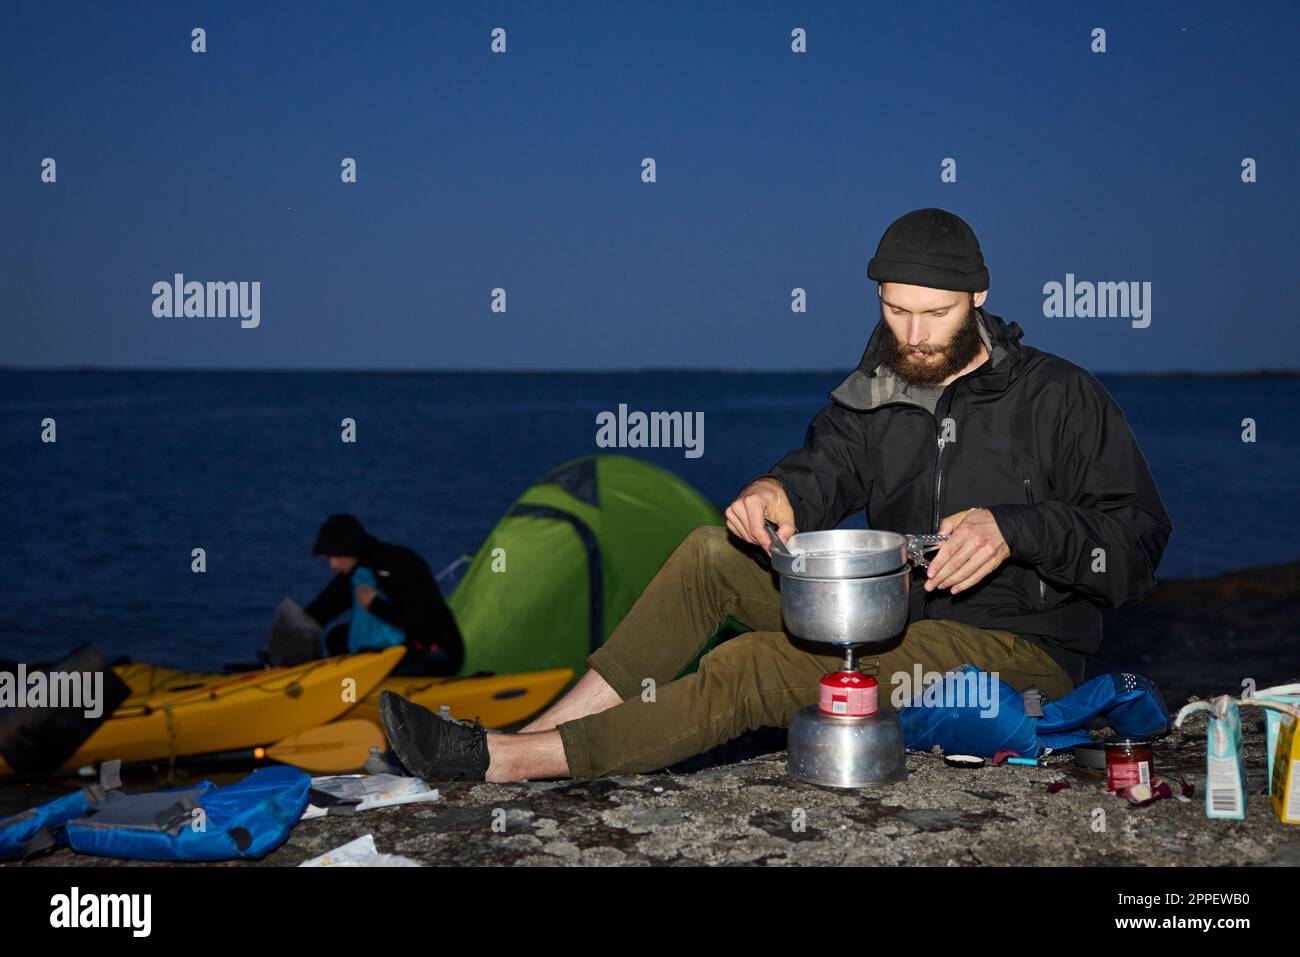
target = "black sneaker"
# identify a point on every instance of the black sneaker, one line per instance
(432, 746)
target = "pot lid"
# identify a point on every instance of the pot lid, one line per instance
(842, 553)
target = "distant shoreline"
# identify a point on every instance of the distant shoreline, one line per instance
(1174, 374)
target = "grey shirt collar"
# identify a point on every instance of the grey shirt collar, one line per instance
(865, 391)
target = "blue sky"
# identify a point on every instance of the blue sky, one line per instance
(522, 171)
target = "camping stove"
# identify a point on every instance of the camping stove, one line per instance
(847, 587)
(845, 740)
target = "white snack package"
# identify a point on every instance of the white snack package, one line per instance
(366, 791)
(360, 853)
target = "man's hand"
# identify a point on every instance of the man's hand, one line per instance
(760, 500)
(975, 547)
(365, 595)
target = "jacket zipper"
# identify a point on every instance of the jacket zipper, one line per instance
(938, 485)
(1042, 585)
(938, 465)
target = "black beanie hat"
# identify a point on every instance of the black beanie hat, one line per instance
(341, 535)
(930, 247)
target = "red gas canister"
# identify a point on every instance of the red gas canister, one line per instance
(848, 694)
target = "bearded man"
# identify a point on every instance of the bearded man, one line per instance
(949, 424)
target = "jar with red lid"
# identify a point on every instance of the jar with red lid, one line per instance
(1128, 762)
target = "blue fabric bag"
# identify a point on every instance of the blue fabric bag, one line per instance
(368, 632)
(960, 724)
(952, 715)
(1131, 704)
(247, 819)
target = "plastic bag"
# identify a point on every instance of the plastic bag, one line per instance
(294, 638)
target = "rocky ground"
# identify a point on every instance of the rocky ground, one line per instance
(1191, 637)
(751, 813)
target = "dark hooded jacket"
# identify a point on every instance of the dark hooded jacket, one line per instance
(1036, 440)
(411, 599)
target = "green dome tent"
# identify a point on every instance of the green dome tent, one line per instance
(566, 563)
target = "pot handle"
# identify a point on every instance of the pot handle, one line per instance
(778, 543)
(918, 545)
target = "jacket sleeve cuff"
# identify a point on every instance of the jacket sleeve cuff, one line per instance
(768, 475)
(1021, 527)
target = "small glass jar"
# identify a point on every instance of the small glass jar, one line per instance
(1128, 762)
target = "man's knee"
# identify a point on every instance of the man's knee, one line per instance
(713, 547)
(707, 540)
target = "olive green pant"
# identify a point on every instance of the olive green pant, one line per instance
(757, 679)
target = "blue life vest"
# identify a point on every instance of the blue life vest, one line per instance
(247, 819)
(368, 632)
(43, 827)
(201, 822)
(1131, 705)
(40, 827)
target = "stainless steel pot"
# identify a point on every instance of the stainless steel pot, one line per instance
(846, 586)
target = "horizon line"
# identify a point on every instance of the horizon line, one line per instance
(1260, 373)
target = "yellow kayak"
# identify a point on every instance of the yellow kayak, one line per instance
(496, 700)
(175, 714)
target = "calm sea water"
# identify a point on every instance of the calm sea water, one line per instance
(97, 529)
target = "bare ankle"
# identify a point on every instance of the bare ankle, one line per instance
(497, 771)
(520, 757)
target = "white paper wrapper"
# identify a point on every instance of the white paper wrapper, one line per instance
(372, 790)
(360, 853)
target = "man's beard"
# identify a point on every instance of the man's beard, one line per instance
(926, 370)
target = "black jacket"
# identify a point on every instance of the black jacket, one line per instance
(1039, 442)
(411, 602)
